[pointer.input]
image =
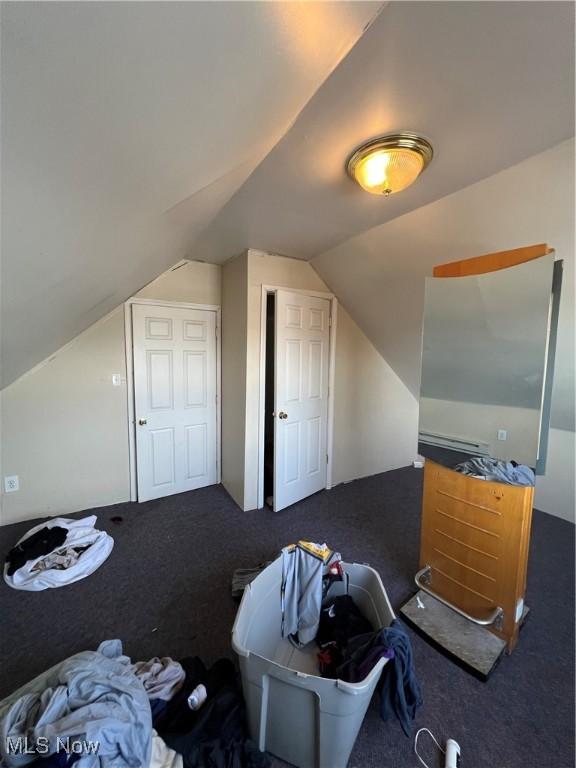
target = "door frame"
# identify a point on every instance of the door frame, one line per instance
(266, 289)
(129, 349)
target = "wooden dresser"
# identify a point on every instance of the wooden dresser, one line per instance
(475, 537)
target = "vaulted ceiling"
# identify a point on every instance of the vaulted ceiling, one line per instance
(135, 134)
(488, 83)
(126, 128)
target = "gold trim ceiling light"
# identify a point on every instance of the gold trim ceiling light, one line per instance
(389, 164)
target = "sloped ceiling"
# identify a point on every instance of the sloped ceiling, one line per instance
(137, 134)
(488, 83)
(126, 128)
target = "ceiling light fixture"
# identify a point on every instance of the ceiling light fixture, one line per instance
(389, 164)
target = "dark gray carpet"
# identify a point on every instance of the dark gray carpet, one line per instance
(165, 591)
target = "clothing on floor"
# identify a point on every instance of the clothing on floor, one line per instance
(157, 707)
(177, 716)
(57, 760)
(214, 736)
(244, 576)
(303, 567)
(34, 545)
(161, 677)
(340, 620)
(91, 545)
(62, 558)
(400, 691)
(498, 471)
(162, 756)
(92, 696)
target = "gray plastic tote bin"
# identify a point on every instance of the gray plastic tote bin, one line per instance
(293, 713)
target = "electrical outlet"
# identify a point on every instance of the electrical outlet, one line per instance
(502, 434)
(11, 483)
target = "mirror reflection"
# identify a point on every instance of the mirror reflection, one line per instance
(484, 354)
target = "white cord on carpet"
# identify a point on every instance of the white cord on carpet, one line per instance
(416, 745)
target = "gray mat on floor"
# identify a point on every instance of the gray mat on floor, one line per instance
(475, 647)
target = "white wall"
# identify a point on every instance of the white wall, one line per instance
(479, 421)
(531, 202)
(234, 324)
(555, 489)
(192, 281)
(375, 420)
(65, 427)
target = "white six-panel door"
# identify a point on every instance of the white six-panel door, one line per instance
(174, 399)
(301, 397)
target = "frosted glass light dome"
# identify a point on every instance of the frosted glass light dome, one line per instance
(390, 164)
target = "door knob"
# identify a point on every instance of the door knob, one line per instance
(282, 415)
(142, 422)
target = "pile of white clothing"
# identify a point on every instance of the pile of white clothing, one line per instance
(83, 551)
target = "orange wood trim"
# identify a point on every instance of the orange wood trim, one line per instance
(491, 262)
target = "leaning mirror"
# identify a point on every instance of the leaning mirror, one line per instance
(487, 364)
